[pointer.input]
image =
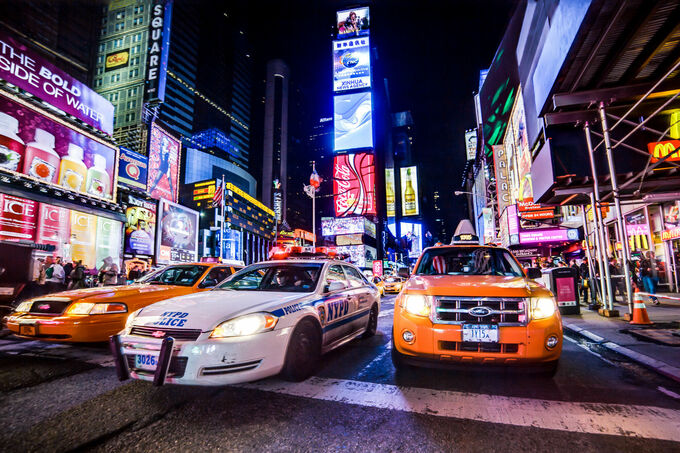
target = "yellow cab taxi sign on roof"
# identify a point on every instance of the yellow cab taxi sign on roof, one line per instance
(465, 233)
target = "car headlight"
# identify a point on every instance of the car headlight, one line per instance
(23, 307)
(417, 304)
(245, 325)
(88, 308)
(542, 307)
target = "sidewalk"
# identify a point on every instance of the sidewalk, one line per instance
(614, 334)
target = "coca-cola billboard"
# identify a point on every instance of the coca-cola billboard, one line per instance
(354, 184)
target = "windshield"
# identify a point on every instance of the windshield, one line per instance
(468, 261)
(392, 279)
(293, 277)
(181, 275)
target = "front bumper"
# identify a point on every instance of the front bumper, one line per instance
(76, 328)
(444, 342)
(207, 361)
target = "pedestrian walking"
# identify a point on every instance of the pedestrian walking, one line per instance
(68, 268)
(649, 270)
(55, 276)
(108, 273)
(77, 276)
(616, 276)
(584, 288)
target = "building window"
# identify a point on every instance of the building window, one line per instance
(98, 82)
(138, 21)
(139, 9)
(100, 59)
(120, 15)
(130, 116)
(100, 71)
(137, 37)
(134, 61)
(117, 43)
(113, 97)
(115, 78)
(134, 72)
(102, 47)
(119, 26)
(132, 92)
(132, 104)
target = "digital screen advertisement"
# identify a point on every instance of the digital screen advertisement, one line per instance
(140, 227)
(351, 64)
(331, 226)
(75, 235)
(412, 235)
(352, 121)
(410, 203)
(548, 235)
(354, 184)
(353, 22)
(177, 233)
(132, 169)
(360, 255)
(163, 170)
(34, 145)
(390, 192)
(23, 67)
(471, 144)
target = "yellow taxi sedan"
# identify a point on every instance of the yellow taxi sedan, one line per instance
(94, 314)
(393, 284)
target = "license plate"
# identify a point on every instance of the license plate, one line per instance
(29, 330)
(483, 333)
(146, 361)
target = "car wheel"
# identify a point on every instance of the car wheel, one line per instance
(550, 368)
(304, 349)
(372, 322)
(397, 357)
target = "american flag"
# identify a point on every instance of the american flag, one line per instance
(217, 198)
(439, 264)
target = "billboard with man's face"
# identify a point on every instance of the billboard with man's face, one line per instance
(353, 22)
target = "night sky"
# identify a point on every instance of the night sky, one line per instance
(430, 51)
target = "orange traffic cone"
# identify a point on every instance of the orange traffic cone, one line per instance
(639, 310)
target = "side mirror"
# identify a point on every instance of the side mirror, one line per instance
(534, 272)
(403, 273)
(335, 286)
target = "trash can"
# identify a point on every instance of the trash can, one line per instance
(563, 282)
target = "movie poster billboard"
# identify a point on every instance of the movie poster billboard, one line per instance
(140, 227)
(132, 169)
(352, 121)
(351, 64)
(354, 184)
(410, 200)
(49, 152)
(177, 233)
(23, 67)
(164, 156)
(353, 22)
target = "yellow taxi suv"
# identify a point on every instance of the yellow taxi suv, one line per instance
(468, 303)
(94, 314)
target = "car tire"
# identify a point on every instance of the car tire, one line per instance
(372, 326)
(304, 349)
(550, 369)
(398, 357)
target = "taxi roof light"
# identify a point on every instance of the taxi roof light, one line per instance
(465, 233)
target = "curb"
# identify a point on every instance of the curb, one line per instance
(644, 360)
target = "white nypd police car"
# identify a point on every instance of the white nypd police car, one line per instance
(269, 318)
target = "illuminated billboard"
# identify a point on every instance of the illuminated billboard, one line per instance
(412, 235)
(351, 64)
(42, 148)
(390, 191)
(352, 121)
(410, 203)
(140, 227)
(332, 226)
(163, 169)
(471, 144)
(359, 255)
(353, 22)
(177, 233)
(354, 184)
(132, 168)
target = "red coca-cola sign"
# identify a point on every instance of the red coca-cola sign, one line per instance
(354, 184)
(18, 218)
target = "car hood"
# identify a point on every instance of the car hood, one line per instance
(207, 309)
(112, 291)
(473, 286)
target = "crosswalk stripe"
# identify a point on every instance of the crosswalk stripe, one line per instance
(578, 417)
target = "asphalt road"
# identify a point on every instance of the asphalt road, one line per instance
(66, 398)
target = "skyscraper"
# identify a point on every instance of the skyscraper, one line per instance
(275, 149)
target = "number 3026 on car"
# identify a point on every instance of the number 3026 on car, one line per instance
(269, 318)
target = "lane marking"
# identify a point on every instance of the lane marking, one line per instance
(587, 418)
(375, 361)
(670, 393)
(588, 350)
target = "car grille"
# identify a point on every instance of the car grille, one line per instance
(502, 311)
(468, 346)
(177, 334)
(227, 369)
(178, 366)
(49, 307)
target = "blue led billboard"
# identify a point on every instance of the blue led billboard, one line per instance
(351, 64)
(353, 121)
